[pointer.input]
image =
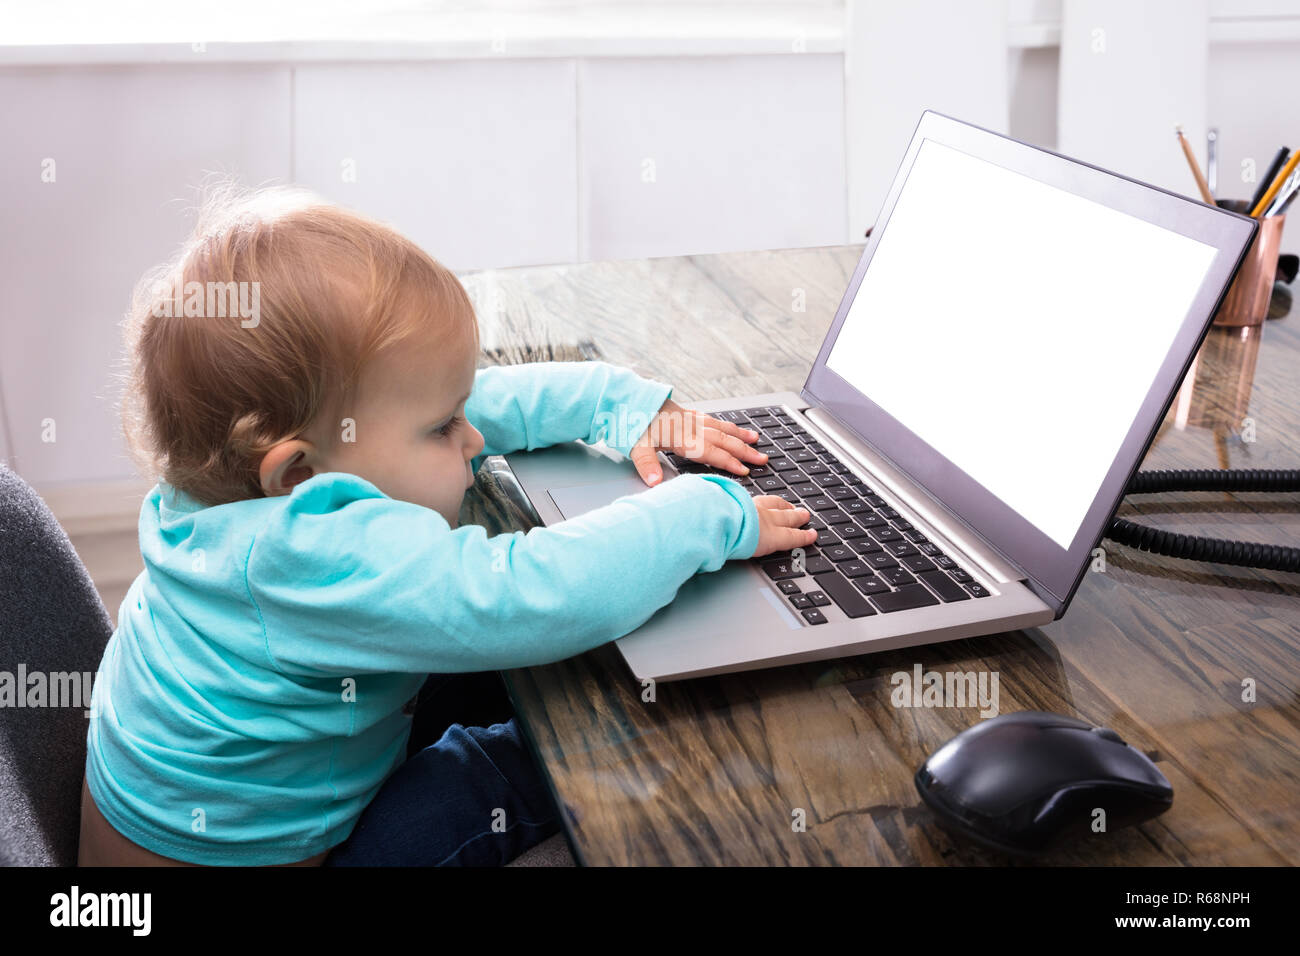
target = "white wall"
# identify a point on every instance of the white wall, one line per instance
(124, 146)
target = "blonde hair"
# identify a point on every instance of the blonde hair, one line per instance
(206, 395)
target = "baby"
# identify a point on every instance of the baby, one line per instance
(303, 387)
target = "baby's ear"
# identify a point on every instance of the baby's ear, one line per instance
(284, 466)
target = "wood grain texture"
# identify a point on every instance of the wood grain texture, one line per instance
(717, 770)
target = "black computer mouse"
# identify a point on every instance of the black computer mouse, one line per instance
(1024, 782)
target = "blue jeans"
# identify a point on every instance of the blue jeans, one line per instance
(467, 795)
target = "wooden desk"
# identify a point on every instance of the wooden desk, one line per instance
(717, 770)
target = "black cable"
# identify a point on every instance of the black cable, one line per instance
(1192, 547)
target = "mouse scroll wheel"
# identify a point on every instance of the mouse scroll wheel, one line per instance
(1108, 734)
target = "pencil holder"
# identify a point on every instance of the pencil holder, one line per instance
(1247, 300)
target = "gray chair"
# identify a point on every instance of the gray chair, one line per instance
(51, 622)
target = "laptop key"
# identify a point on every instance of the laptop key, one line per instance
(814, 616)
(896, 576)
(815, 468)
(788, 495)
(929, 548)
(904, 599)
(847, 531)
(800, 600)
(845, 596)
(802, 454)
(818, 598)
(977, 589)
(780, 464)
(871, 585)
(826, 538)
(781, 568)
(889, 513)
(778, 431)
(855, 506)
(788, 586)
(805, 488)
(789, 444)
(817, 564)
(918, 563)
(944, 586)
(900, 549)
(865, 546)
(839, 552)
(771, 484)
(854, 569)
(880, 561)
(834, 517)
(945, 562)
(881, 534)
(841, 493)
(960, 576)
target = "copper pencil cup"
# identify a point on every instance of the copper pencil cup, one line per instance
(1248, 297)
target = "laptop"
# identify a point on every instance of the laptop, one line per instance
(1012, 338)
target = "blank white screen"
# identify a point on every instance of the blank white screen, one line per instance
(1016, 328)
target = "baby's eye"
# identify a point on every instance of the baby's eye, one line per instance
(445, 430)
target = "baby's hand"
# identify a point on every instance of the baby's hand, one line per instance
(779, 526)
(693, 435)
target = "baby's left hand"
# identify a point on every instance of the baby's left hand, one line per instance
(693, 435)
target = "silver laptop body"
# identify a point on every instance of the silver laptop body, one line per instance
(1018, 490)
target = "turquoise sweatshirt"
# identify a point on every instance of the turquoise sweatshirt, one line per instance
(250, 702)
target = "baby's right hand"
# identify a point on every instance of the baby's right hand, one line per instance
(779, 525)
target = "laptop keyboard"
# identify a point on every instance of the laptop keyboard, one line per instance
(867, 559)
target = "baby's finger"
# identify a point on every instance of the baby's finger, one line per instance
(720, 459)
(798, 537)
(792, 518)
(741, 449)
(772, 502)
(730, 428)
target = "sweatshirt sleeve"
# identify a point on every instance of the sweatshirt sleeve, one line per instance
(349, 581)
(521, 407)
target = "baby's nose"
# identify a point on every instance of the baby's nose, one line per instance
(477, 443)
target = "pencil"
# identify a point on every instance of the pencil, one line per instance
(1281, 177)
(1201, 184)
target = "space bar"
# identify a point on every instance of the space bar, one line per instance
(844, 594)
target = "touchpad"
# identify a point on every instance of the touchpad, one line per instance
(579, 499)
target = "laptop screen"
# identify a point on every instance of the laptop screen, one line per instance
(1017, 326)
(990, 290)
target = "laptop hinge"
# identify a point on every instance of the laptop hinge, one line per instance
(948, 530)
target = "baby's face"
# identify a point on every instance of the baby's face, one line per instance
(411, 440)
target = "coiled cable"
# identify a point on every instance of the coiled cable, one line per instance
(1193, 547)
